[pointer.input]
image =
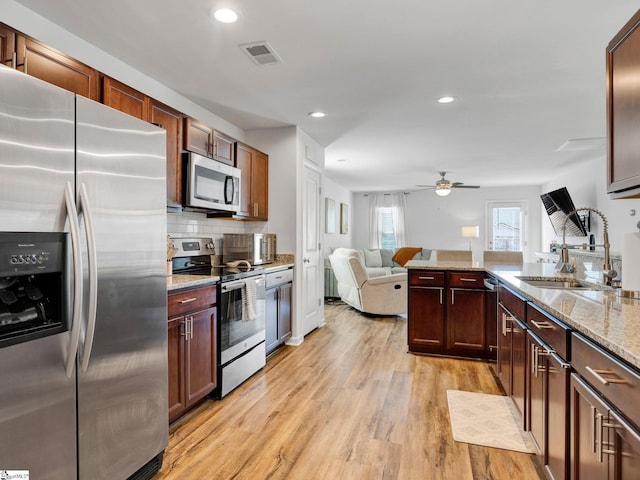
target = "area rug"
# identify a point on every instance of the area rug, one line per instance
(488, 420)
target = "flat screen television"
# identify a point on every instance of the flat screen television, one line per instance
(559, 206)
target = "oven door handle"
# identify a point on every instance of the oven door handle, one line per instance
(230, 286)
(74, 334)
(85, 207)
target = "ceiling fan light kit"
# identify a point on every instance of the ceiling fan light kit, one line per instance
(443, 186)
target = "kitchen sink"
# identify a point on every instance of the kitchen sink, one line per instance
(559, 282)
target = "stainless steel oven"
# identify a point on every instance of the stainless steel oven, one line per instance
(241, 316)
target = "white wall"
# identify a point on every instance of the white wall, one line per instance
(340, 195)
(586, 183)
(280, 144)
(436, 222)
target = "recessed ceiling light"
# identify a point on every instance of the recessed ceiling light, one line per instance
(225, 15)
(446, 99)
(317, 114)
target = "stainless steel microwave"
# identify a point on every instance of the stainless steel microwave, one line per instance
(257, 248)
(210, 185)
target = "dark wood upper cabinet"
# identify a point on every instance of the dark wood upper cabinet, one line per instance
(623, 112)
(223, 148)
(254, 187)
(8, 46)
(45, 63)
(205, 140)
(126, 99)
(198, 137)
(171, 121)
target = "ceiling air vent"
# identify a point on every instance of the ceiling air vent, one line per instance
(261, 53)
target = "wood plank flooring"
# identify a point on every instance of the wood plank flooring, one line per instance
(349, 403)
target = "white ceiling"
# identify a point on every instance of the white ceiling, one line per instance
(528, 77)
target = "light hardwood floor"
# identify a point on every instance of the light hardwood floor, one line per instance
(349, 403)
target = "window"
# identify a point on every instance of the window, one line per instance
(388, 237)
(506, 232)
(387, 228)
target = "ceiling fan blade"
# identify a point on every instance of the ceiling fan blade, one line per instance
(465, 186)
(425, 187)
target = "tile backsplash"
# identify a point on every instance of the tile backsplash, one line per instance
(195, 224)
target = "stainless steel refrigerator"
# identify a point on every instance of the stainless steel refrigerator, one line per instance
(88, 402)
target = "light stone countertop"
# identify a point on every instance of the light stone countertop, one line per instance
(600, 315)
(179, 282)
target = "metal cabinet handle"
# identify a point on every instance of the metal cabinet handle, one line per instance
(542, 325)
(605, 381)
(426, 278)
(469, 280)
(506, 318)
(599, 418)
(188, 300)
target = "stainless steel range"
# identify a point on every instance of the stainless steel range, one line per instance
(241, 305)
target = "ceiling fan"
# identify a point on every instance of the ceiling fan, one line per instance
(443, 186)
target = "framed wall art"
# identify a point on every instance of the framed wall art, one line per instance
(344, 218)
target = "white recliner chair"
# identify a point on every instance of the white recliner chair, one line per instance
(384, 295)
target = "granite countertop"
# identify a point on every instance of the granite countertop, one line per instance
(178, 281)
(599, 314)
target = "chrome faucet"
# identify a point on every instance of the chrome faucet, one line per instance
(608, 273)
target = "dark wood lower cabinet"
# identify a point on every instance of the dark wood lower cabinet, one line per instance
(192, 344)
(426, 313)
(201, 355)
(447, 314)
(504, 320)
(519, 366)
(466, 327)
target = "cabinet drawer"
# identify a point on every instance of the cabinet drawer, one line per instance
(554, 333)
(191, 300)
(432, 279)
(512, 302)
(466, 280)
(278, 278)
(618, 383)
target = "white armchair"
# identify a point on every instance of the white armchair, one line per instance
(384, 295)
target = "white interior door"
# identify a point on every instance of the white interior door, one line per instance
(506, 226)
(311, 245)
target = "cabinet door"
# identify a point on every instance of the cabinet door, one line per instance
(44, 63)
(223, 148)
(588, 439)
(466, 326)
(171, 121)
(426, 311)
(623, 115)
(125, 99)
(284, 311)
(201, 354)
(198, 137)
(536, 408)
(271, 319)
(243, 162)
(504, 349)
(491, 319)
(7, 46)
(176, 342)
(260, 185)
(625, 448)
(519, 366)
(557, 418)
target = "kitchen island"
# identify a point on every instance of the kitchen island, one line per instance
(569, 358)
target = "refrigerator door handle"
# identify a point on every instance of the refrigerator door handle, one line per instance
(85, 207)
(74, 336)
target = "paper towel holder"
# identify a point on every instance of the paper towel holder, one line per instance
(635, 294)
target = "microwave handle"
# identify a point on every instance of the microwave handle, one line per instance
(227, 200)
